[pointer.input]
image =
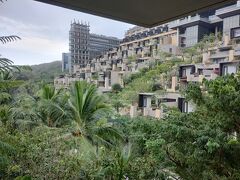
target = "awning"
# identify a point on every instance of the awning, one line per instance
(146, 13)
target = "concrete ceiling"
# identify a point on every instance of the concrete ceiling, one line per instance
(145, 13)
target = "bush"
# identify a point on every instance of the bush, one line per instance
(116, 88)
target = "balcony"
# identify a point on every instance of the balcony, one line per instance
(219, 55)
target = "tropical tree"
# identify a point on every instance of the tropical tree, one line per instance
(203, 144)
(53, 106)
(116, 102)
(90, 115)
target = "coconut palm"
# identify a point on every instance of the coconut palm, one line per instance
(89, 114)
(53, 106)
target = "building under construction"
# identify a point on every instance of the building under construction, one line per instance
(84, 46)
(79, 44)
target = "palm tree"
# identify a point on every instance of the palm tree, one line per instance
(53, 106)
(89, 114)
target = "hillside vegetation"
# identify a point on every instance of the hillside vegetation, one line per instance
(155, 78)
(42, 72)
(48, 133)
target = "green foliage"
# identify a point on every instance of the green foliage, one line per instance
(156, 87)
(145, 81)
(116, 88)
(117, 103)
(42, 155)
(53, 108)
(202, 144)
(129, 79)
(192, 55)
(8, 82)
(6, 65)
(66, 149)
(132, 59)
(89, 113)
(95, 76)
(7, 152)
(42, 72)
(194, 92)
(74, 134)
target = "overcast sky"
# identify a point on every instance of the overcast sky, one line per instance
(44, 30)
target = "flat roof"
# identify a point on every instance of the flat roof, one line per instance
(230, 62)
(147, 13)
(147, 94)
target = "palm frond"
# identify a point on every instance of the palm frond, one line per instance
(53, 107)
(4, 97)
(6, 39)
(6, 148)
(90, 112)
(5, 61)
(108, 134)
(49, 92)
(6, 65)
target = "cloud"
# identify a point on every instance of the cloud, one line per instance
(44, 30)
(35, 46)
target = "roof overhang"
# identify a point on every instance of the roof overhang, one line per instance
(145, 13)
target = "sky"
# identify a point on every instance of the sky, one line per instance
(44, 30)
